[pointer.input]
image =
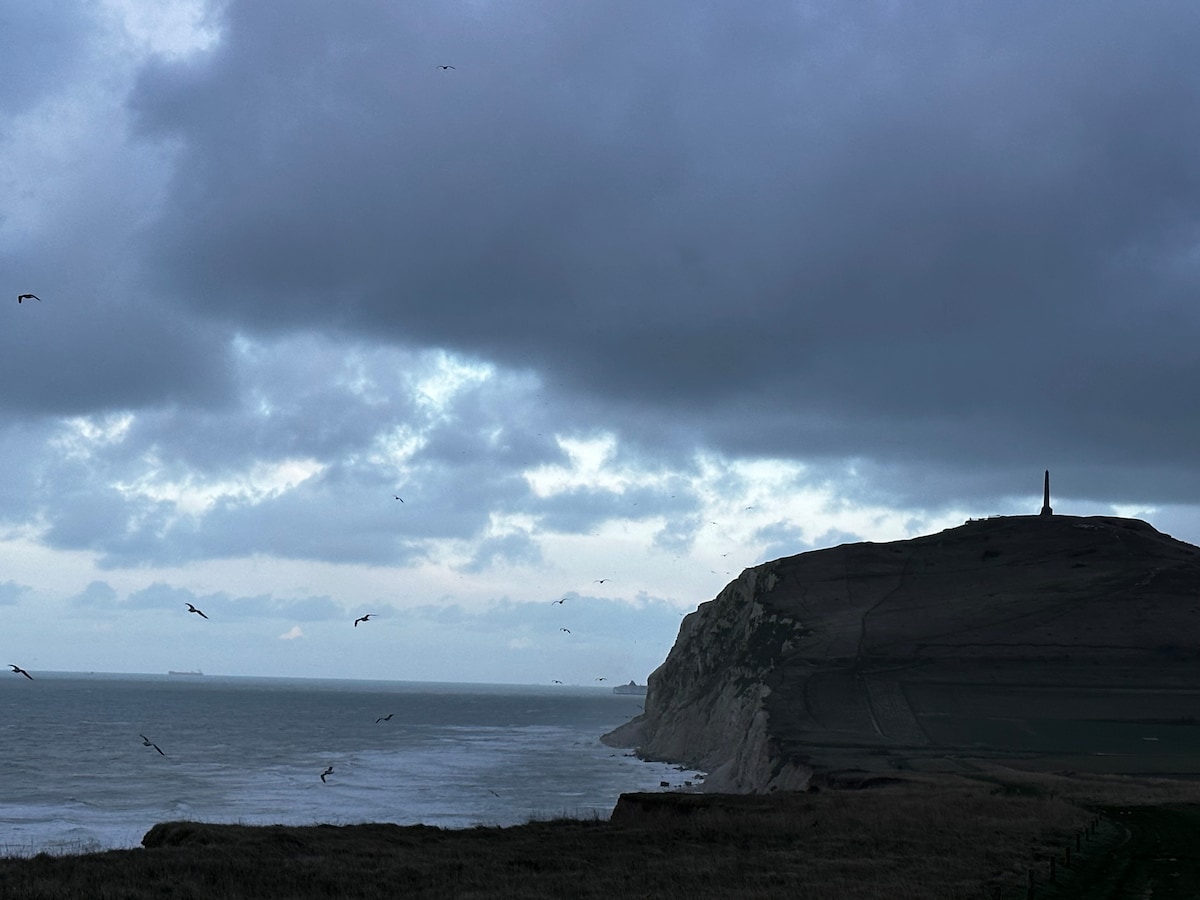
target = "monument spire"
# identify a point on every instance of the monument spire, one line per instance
(1046, 510)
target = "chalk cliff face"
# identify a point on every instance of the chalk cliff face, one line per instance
(1048, 639)
(706, 704)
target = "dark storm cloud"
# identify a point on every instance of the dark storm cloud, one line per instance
(88, 349)
(914, 234)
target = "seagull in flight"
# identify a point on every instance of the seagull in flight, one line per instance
(196, 611)
(398, 497)
(567, 630)
(386, 718)
(362, 619)
(443, 68)
(601, 580)
(17, 670)
(556, 681)
(23, 297)
(559, 602)
(602, 678)
(146, 742)
(328, 771)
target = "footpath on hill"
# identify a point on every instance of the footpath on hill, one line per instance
(1151, 851)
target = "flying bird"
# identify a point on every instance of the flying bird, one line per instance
(146, 742)
(362, 619)
(386, 718)
(17, 670)
(556, 681)
(445, 67)
(567, 630)
(196, 611)
(602, 678)
(328, 771)
(602, 580)
(23, 297)
(559, 602)
(401, 499)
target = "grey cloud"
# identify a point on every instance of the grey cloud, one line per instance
(517, 548)
(577, 510)
(75, 193)
(47, 40)
(782, 539)
(953, 235)
(592, 617)
(328, 401)
(79, 357)
(162, 596)
(99, 594)
(11, 592)
(220, 605)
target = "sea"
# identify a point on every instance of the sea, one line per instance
(78, 775)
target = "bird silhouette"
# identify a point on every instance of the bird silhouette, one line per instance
(22, 297)
(362, 619)
(567, 630)
(196, 611)
(401, 499)
(146, 742)
(560, 602)
(556, 681)
(328, 771)
(602, 580)
(386, 718)
(17, 670)
(602, 678)
(445, 67)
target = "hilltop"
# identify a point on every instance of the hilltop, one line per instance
(1043, 641)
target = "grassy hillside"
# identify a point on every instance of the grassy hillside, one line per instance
(927, 836)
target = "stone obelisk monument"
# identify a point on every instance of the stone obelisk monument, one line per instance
(1046, 510)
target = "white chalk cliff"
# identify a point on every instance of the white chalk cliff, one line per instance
(705, 705)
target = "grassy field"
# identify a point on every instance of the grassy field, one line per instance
(923, 836)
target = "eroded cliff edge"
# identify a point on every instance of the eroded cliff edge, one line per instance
(1008, 637)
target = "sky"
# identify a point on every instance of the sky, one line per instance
(630, 298)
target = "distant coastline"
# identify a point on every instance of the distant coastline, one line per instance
(193, 672)
(632, 688)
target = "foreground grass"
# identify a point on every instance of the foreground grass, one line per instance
(927, 837)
